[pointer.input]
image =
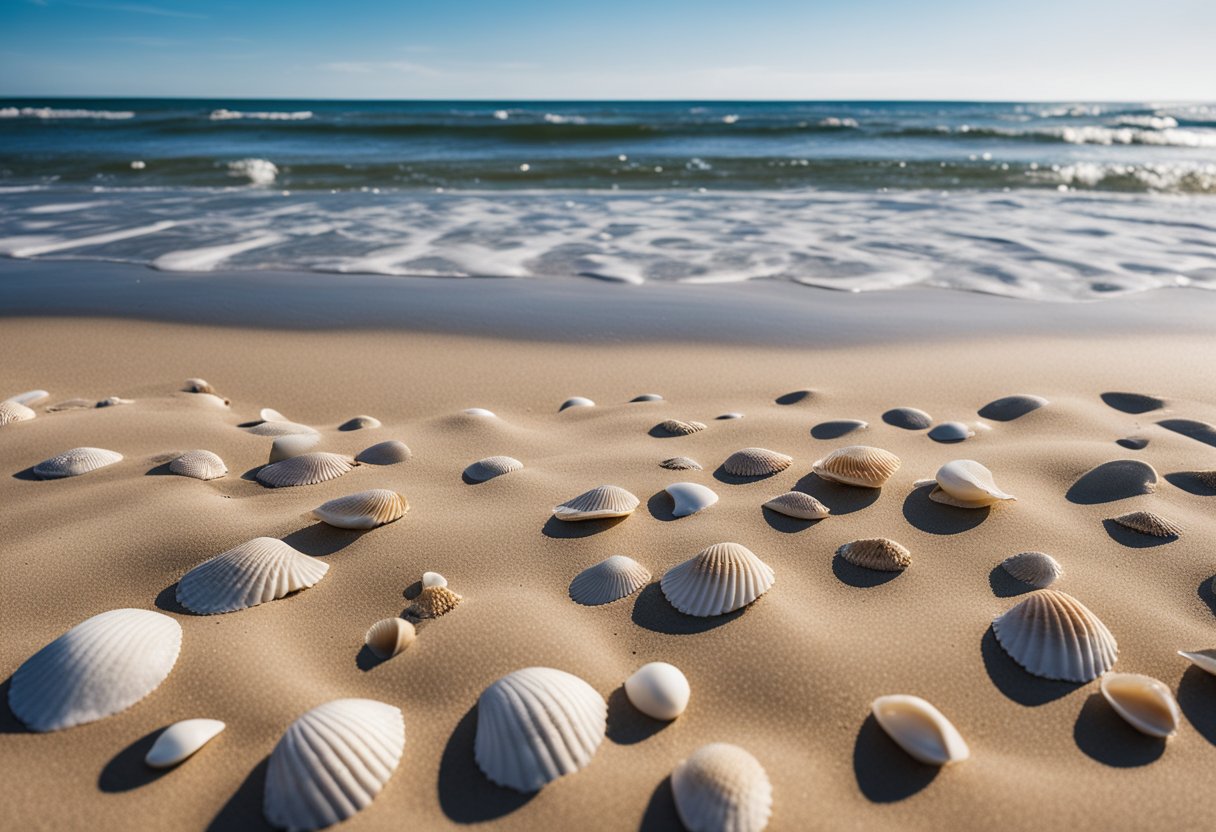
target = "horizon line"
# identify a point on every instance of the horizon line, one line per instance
(542, 100)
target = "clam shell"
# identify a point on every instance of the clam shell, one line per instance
(198, 385)
(659, 690)
(30, 397)
(756, 462)
(859, 465)
(877, 553)
(720, 579)
(647, 397)
(676, 427)
(951, 432)
(600, 502)
(920, 729)
(292, 444)
(111, 401)
(1146, 522)
(260, 570)
(722, 788)
(1034, 568)
(279, 429)
(1055, 636)
(201, 465)
(385, 453)
(360, 423)
(690, 497)
(75, 462)
(433, 579)
(363, 510)
(181, 740)
(908, 418)
(305, 469)
(1146, 704)
(71, 404)
(11, 412)
(102, 666)
(609, 580)
(491, 467)
(798, 505)
(332, 762)
(1204, 660)
(536, 725)
(680, 463)
(964, 483)
(1008, 408)
(575, 401)
(389, 636)
(433, 602)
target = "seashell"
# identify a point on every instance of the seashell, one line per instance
(1133, 402)
(731, 415)
(112, 401)
(659, 690)
(1034, 568)
(647, 397)
(798, 505)
(920, 729)
(279, 429)
(433, 579)
(199, 385)
(1115, 480)
(690, 497)
(1199, 431)
(675, 427)
(332, 762)
(722, 788)
(1008, 408)
(182, 740)
(951, 432)
(720, 579)
(360, 423)
(293, 444)
(877, 553)
(389, 636)
(491, 467)
(202, 465)
(1055, 636)
(756, 462)
(575, 401)
(964, 483)
(75, 462)
(478, 411)
(102, 666)
(536, 725)
(680, 463)
(1146, 704)
(1204, 660)
(385, 453)
(433, 602)
(269, 414)
(259, 570)
(71, 404)
(11, 412)
(859, 465)
(1146, 522)
(908, 418)
(609, 580)
(305, 469)
(364, 510)
(600, 502)
(29, 398)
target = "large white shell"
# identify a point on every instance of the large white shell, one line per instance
(201, 465)
(659, 690)
(385, 453)
(332, 762)
(798, 505)
(1146, 704)
(720, 579)
(1055, 636)
(965, 483)
(363, 510)
(360, 423)
(600, 502)
(491, 467)
(11, 412)
(722, 788)
(535, 725)
(860, 465)
(690, 497)
(75, 462)
(389, 636)
(276, 428)
(103, 665)
(305, 469)
(1035, 568)
(30, 397)
(920, 729)
(260, 570)
(181, 740)
(292, 444)
(575, 401)
(756, 462)
(609, 580)
(876, 553)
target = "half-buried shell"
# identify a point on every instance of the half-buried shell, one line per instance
(690, 497)
(30, 397)
(389, 636)
(575, 401)
(860, 465)
(600, 502)
(647, 397)
(1035, 568)
(292, 444)
(201, 465)
(360, 423)
(951, 432)
(722, 788)
(720, 579)
(433, 602)
(920, 729)
(609, 580)
(385, 453)
(364, 510)
(259, 570)
(279, 429)
(11, 412)
(1146, 522)
(877, 553)
(198, 385)
(756, 462)
(676, 427)
(181, 740)
(1055, 636)
(798, 505)
(1008, 408)
(680, 463)
(75, 462)
(964, 483)
(491, 467)
(1146, 704)
(305, 469)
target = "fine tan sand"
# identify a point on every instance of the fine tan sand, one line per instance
(790, 678)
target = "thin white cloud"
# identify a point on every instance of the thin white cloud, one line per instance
(137, 8)
(373, 67)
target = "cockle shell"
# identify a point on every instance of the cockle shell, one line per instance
(292, 444)
(908, 418)
(433, 579)
(680, 463)
(659, 690)
(964, 483)
(389, 636)
(198, 385)
(722, 788)
(536, 725)
(1204, 660)
(609, 580)
(181, 740)
(279, 429)
(647, 397)
(1035, 568)
(30, 397)
(1055, 636)
(1146, 704)
(102, 666)
(259, 570)
(876, 553)
(798, 505)
(332, 762)
(722, 578)
(575, 401)
(690, 497)
(363, 510)
(756, 462)
(11, 412)
(951, 432)
(75, 462)
(1146, 522)
(676, 427)
(600, 502)
(491, 467)
(920, 729)
(305, 469)
(385, 453)
(201, 465)
(433, 602)
(859, 465)
(360, 423)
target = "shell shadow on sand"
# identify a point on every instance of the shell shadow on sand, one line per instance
(794, 397)
(1197, 699)
(859, 576)
(1005, 585)
(1110, 481)
(626, 724)
(654, 612)
(1105, 736)
(1132, 402)
(884, 771)
(127, 769)
(321, 539)
(660, 814)
(9, 724)
(1133, 539)
(1191, 483)
(1132, 443)
(836, 428)
(936, 518)
(841, 499)
(1199, 431)
(244, 809)
(565, 529)
(786, 524)
(465, 794)
(1013, 681)
(1008, 408)
(661, 506)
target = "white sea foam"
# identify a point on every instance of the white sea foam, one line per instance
(1173, 137)
(52, 113)
(554, 118)
(834, 121)
(258, 171)
(208, 257)
(1148, 122)
(63, 207)
(52, 245)
(232, 115)
(501, 115)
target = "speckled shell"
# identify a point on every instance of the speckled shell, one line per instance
(756, 462)
(1146, 522)
(1035, 568)
(659, 690)
(798, 505)
(279, 429)
(1055, 636)
(11, 412)
(951, 432)
(720, 579)
(609, 580)
(389, 636)
(363, 510)
(722, 788)
(876, 553)
(1146, 704)
(690, 497)
(433, 602)
(575, 401)
(680, 463)
(75, 462)
(260, 570)
(181, 740)
(860, 465)
(305, 469)
(920, 729)
(360, 423)
(964, 483)
(30, 397)
(676, 427)
(491, 467)
(201, 465)
(292, 444)
(536, 725)
(600, 502)
(385, 453)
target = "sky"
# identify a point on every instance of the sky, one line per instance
(1032, 50)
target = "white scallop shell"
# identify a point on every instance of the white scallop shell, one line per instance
(798, 505)
(877, 553)
(680, 463)
(920, 729)
(332, 762)
(389, 636)
(722, 788)
(276, 428)
(659, 690)
(1146, 522)
(722, 578)
(647, 397)
(11, 412)
(102, 666)
(1035, 568)
(360, 423)
(951, 432)
(677, 427)
(433, 579)
(75, 462)
(1146, 704)
(292, 444)
(305, 469)
(181, 740)
(964, 483)
(30, 397)
(536, 725)
(1205, 660)
(1055, 636)
(259, 570)
(607, 581)
(575, 401)
(600, 502)
(756, 462)
(385, 453)
(491, 467)
(690, 497)
(363, 510)
(859, 465)
(201, 465)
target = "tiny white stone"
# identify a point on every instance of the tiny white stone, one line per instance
(658, 690)
(180, 740)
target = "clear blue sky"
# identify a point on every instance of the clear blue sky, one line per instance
(681, 49)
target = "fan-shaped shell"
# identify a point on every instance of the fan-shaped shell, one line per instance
(677, 427)
(332, 762)
(536, 725)
(659, 690)
(964, 483)
(876, 553)
(11, 412)
(1146, 522)
(647, 397)
(722, 578)
(1055, 636)
(609, 580)
(385, 453)
(260, 570)
(198, 385)
(1146, 704)
(389, 636)
(201, 465)
(102, 666)
(600, 502)
(680, 463)
(276, 428)
(30, 397)
(75, 462)
(951, 432)
(292, 444)
(756, 462)
(690, 497)
(908, 418)
(181, 740)
(433, 602)
(1035, 568)
(920, 729)
(491, 467)
(305, 469)
(722, 788)
(575, 401)
(1205, 660)
(363, 510)
(360, 423)
(859, 465)
(798, 505)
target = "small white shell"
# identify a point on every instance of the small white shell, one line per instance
(607, 581)
(863, 466)
(680, 463)
(1146, 704)
(920, 729)
(677, 427)
(1205, 660)
(1055, 636)
(951, 432)
(277, 428)
(305, 469)
(600, 502)
(722, 578)
(576, 401)
(292, 444)
(877, 553)
(1146, 522)
(491, 467)
(181, 740)
(433, 579)
(75, 462)
(11, 412)
(659, 690)
(1035, 568)
(363, 510)
(722, 788)
(269, 414)
(385, 453)
(690, 497)
(756, 462)
(259, 570)
(647, 397)
(201, 465)
(964, 483)
(360, 423)
(798, 505)
(30, 397)
(389, 636)
(535, 725)
(478, 411)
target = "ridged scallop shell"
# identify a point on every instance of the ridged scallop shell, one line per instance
(722, 788)
(332, 762)
(609, 580)
(201, 465)
(75, 462)
(30, 397)
(1146, 704)
(292, 444)
(491, 467)
(279, 429)
(1035, 568)
(676, 427)
(102, 666)
(260, 570)
(389, 636)
(920, 729)
(908, 418)
(798, 505)
(1146, 522)
(1008, 408)
(198, 385)
(1204, 660)
(385, 453)
(647, 397)
(600, 502)
(877, 553)
(433, 602)
(659, 690)
(536, 725)
(951, 432)
(363, 510)
(690, 497)
(964, 483)
(182, 740)
(680, 463)
(360, 423)
(575, 401)
(860, 465)
(11, 412)
(1055, 636)
(305, 469)
(756, 462)
(722, 578)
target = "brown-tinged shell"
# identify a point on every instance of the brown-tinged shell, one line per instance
(600, 502)
(756, 462)
(433, 602)
(798, 505)
(680, 463)
(363, 510)
(721, 578)
(389, 636)
(859, 465)
(676, 427)
(876, 553)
